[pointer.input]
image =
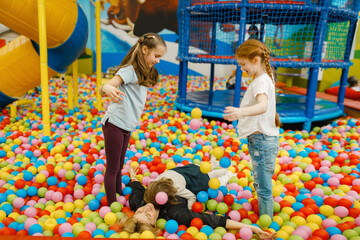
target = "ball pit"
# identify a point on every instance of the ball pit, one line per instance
(53, 186)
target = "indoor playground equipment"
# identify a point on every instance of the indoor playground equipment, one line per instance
(310, 34)
(67, 32)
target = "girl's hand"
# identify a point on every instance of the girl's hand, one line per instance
(232, 113)
(113, 93)
(263, 235)
(133, 172)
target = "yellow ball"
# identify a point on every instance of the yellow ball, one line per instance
(124, 234)
(288, 210)
(40, 178)
(243, 182)
(288, 229)
(326, 210)
(170, 165)
(298, 220)
(335, 218)
(290, 199)
(201, 236)
(49, 224)
(218, 152)
(205, 167)
(282, 234)
(214, 183)
(59, 214)
(134, 164)
(68, 207)
(134, 236)
(313, 218)
(147, 235)
(277, 190)
(196, 113)
(68, 166)
(312, 226)
(192, 230)
(110, 218)
(279, 220)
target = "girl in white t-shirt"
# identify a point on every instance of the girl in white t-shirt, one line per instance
(257, 119)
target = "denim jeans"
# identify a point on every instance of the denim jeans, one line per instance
(263, 150)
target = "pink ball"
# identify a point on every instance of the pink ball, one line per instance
(245, 233)
(30, 212)
(57, 196)
(18, 202)
(104, 210)
(338, 237)
(328, 223)
(195, 124)
(64, 228)
(246, 194)
(234, 215)
(90, 227)
(341, 211)
(172, 236)
(357, 221)
(146, 180)
(161, 198)
(61, 173)
(333, 181)
(29, 222)
(122, 200)
(229, 236)
(317, 192)
(79, 193)
(99, 178)
(300, 233)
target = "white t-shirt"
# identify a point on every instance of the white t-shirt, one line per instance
(265, 122)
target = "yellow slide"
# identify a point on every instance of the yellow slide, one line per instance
(66, 26)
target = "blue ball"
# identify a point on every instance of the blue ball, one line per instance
(82, 180)
(98, 232)
(28, 176)
(318, 200)
(213, 193)
(224, 190)
(7, 208)
(127, 190)
(52, 181)
(333, 231)
(32, 191)
(99, 196)
(109, 233)
(225, 162)
(35, 228)
(171, 226)
(94, 204)
(202, 196)
(275, 226)
(297, 206)
(68, 234)
(207, 230)
(125, 179)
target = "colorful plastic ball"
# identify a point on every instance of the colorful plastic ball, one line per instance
(246, 233)
(196, 113)
(82, 180)
(265, 220)
(207, 230)
(215, 236)
(110, 218)
(218, 152)
(195, 124)
(222, 208)
(94, 204)
(35, 228)
(202, 196)
(160, 223)
(333, 231)
(147, 235)
(205, 167)
(341, 211)
(214, 183)
(197, 222)
(225, 162)
(161, 198)
(171, 226)
(52, 181)
(198, 207)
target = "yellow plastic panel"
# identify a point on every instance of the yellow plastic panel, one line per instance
(19, 68)
(21, 16)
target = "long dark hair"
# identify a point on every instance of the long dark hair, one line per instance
(147, 76)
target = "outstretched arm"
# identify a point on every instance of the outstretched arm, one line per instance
(111, 89)
(234, 113)
(230, 224)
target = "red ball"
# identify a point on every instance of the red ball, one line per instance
(322, 234)
(331, 201)
(310, 185)
(243, 213)
(290, 187)
(354, 212)
(84, 234)
(345, 203)
(197, 222)
(253, 217)
(186, 236)
(198, 207)
(228, 199)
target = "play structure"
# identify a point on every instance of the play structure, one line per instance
(299, 34)
(66, 37)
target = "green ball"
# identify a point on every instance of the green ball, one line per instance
(93, 215)
(103, 226)
(120, 215)
(39, 205)
(305, 177)
(286, 180)
(222, 208)
(116, 207)
(98, 220)
(115, 235)
(77, 159)
(276, 207)
(78, 210)
(350, 233)
(78, 229)
(211, 204)
(357, 229)
(327, 191)
(291, 224)
(10, 198)
(295, 237)
(220, 230)
(21, 219)
(335, 169)
(85, 220)
(236, 206)
(346, 169)
(48, 233)
(265, 220)
(160, 223)
(88, 198)
(284, 216)
(42, 191)
(215, 236)
(246, 221)
(69, 175)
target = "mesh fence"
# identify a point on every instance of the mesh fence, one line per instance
(210, 31)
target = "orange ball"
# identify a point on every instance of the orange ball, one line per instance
(186, 236)
(197, 222)
(84, 234)
(253, 217)
(333, 202)
(345, 203)
(322, 234)
(19, 184)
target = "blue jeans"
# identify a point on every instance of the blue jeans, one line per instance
(263, 150)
